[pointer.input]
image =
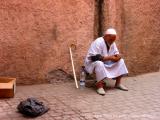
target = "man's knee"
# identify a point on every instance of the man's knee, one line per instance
(99, 64)
(121, 60)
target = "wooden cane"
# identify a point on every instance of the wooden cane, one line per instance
(74, 73)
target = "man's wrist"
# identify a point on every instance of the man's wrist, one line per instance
(105, 58)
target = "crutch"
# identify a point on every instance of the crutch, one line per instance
(74, 73)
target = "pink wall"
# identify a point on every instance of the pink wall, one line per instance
(141, 35)
(35, 35)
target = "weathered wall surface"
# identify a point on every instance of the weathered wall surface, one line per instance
(35, 36)
(137, 23)
(141, 35)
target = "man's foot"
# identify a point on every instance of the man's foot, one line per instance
(101, 91)
(99, 86)
(121, 87)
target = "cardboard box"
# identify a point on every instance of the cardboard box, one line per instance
(7, 87)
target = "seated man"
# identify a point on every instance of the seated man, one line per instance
(103, 58)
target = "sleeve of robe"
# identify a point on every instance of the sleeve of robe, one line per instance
(94, 49)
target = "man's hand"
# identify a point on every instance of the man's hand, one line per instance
(115, 58)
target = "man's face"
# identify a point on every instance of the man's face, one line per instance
(109, 38)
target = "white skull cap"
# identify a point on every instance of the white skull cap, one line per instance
(111, 31)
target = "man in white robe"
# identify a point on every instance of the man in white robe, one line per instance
(104, 60)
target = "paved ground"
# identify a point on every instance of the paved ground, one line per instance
(141, 102)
